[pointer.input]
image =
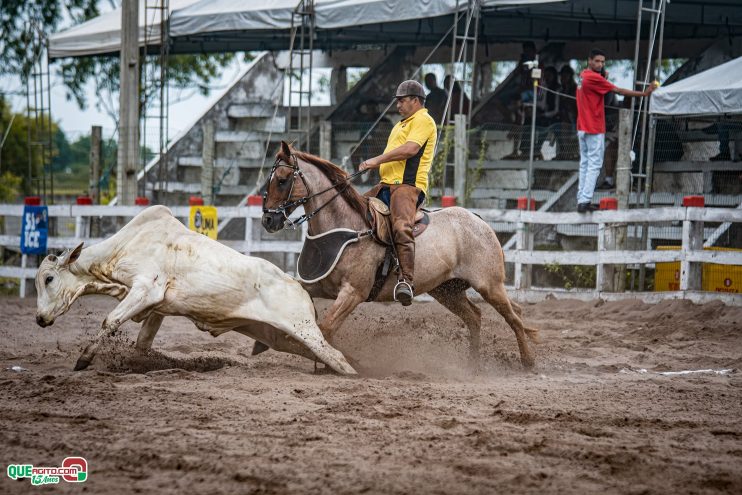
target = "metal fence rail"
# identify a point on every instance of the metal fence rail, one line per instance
(607, 232)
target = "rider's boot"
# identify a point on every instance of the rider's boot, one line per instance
(403, 292)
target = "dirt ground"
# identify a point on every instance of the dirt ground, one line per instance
(200, 415)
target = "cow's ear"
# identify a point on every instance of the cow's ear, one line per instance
(72, 256)
(285, 148)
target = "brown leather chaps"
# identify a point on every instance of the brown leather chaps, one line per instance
(403, 206)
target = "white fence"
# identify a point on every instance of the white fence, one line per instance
(611, 228)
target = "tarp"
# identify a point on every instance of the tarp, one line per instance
(102, 35)
(715, 91)
(253, 25)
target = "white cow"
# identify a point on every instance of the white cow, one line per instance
(157, 267)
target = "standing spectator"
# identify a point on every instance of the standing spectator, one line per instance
(591, 124)
(436, 100)
(456, 96)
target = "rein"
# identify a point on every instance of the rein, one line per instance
(283, 207)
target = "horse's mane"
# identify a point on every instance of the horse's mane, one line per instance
(336, 175)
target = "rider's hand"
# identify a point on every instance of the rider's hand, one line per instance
(367, 164)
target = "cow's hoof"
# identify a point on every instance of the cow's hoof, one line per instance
(81, 364)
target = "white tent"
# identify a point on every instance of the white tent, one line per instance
(716, 91)
(253, 25)
(103, 34)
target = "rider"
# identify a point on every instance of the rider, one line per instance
(404, 168)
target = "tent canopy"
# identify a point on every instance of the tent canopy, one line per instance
(240, 25)
(715, 91)
(198, 26)
(102, 35)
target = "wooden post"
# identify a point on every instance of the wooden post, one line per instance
(623, 186)
(691, 272)
(460, 152)
(96, 153)
(623, 162)
(339, 87)
(325, 139)
(605, 276)
(207, 170)
(524, 242)
(484, 81)
(95, 159)
(24, 262)
(248, 231)
(128, 150)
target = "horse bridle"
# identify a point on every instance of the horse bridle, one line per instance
(288, 204)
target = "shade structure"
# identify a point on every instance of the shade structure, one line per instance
(198, 26)
(102, 35)
(231, 25)
(716, 91)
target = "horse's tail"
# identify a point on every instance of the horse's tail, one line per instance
(531, 332)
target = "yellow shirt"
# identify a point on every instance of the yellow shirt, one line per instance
(418, 128)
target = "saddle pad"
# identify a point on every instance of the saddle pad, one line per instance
(320, 253)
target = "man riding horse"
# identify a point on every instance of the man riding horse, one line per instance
(404, 169)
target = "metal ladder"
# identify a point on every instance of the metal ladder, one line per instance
(299, 112)
(463, 39)
(154, 82)
(38, 111)
(656, 24)
(640, 180)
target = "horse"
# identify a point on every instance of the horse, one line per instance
(458, 251)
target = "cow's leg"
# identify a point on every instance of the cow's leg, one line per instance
(140, 298)
(456, 301)
(270, 337)
(149, 329)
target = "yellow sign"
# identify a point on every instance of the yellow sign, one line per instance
(203, 219)
(714, 277)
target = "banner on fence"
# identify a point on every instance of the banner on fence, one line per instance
(203, 219)
(34, 229)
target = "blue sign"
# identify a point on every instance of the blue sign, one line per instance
(34, 229)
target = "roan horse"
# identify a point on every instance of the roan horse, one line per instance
(457, 251)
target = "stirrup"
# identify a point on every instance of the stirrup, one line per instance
(403, 293)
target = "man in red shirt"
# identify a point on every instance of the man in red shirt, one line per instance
(591, 124)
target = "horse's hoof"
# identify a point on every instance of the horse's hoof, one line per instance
(81, 364)
(258, 348)
(528, 364)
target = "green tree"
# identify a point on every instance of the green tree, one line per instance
(15, 153)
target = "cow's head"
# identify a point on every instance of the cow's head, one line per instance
(56, 286)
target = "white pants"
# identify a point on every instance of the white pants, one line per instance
(592, 149)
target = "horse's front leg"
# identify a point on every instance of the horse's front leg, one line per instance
(348, 298)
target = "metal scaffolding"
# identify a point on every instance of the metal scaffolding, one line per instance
(299, 112)
(155, 82)
(40, 141)
(644, 128)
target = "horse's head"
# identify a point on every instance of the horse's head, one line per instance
(285, 190)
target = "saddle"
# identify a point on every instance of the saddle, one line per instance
(380, 220)
(320, 253)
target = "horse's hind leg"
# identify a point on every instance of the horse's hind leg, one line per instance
(497, 296)
(453, 297)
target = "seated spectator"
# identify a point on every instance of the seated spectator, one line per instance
(456, 97)
(566, 131)
(435, 102)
